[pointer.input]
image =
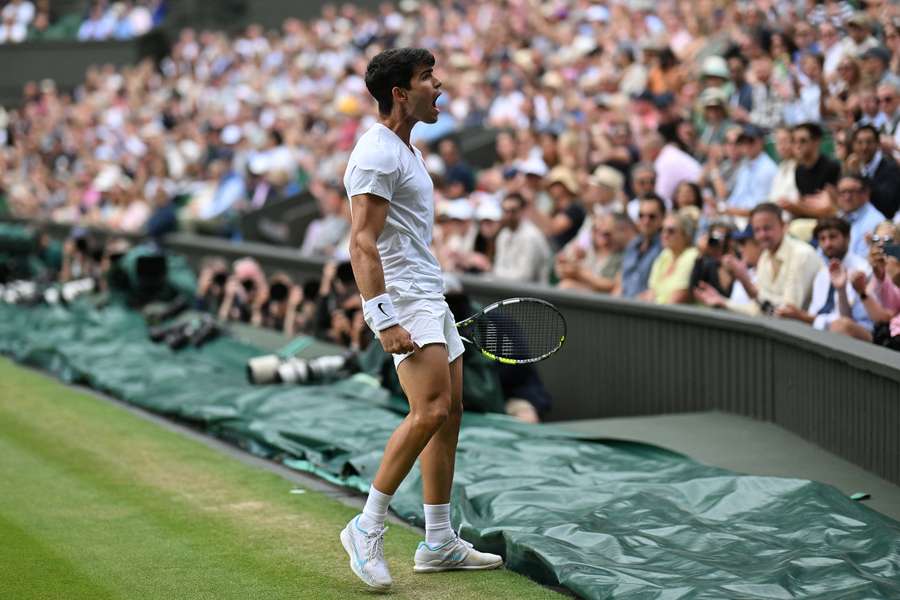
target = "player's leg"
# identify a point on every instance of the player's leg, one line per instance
(437, 463)
(425, 378)
(442, 549)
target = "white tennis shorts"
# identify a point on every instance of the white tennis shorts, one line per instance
(428, 321)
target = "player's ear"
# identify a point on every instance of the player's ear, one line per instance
(399, 93)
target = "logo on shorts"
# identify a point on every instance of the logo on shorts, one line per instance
(381, 309)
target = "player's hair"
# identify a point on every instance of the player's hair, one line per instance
(767, 207)
(394, 68)
(832, 223)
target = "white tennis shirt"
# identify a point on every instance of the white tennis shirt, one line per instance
(382, 165)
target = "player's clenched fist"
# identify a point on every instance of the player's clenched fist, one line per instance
(396, 340)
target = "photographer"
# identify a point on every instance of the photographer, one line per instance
(710, 268)
(881, 294)
(211, 285)
(279, 311)
(338, 298)
(78, 256)
(245, 293)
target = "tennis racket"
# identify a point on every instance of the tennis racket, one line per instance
(515, 331)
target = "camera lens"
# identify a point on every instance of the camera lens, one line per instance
(278, 292)
(220, 278)
(249, 285)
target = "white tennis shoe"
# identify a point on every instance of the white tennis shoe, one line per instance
(366, 550)
(453, 555)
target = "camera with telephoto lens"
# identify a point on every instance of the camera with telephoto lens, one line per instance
(272, 368)
(278, 292)
(194, 332)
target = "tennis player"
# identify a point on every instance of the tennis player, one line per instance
(392, 206)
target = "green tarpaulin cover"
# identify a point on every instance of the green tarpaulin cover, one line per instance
(605, 520)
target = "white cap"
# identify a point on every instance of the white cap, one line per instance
(459, 209)
(533, 166)
(488, 210)
(231, 134)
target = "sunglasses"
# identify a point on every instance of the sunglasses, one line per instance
(648, 216)
(882, 239)
(886, 99)
(671, 230)
(645, 180)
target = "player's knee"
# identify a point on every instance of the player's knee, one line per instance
(433, 414)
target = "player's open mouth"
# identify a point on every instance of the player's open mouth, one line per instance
(434, 102)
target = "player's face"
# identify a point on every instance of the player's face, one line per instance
(423, 94)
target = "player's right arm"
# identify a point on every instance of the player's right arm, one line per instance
(369, 213)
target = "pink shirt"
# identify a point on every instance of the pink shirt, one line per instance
(889, 295)
(672, 167)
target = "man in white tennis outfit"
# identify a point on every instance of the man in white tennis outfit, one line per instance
(392, 206)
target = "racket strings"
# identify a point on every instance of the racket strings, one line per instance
(520, 331)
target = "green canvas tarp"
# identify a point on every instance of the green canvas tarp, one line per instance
(605, 520)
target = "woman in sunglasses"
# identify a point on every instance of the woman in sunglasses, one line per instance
(670, 276)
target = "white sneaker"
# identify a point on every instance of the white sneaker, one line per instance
(454, 554)
(366, 550)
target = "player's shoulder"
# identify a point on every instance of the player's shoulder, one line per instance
(377, 151)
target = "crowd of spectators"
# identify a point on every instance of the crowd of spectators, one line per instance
(24, 20)
(637, 142)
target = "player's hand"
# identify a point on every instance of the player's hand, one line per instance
(396, 340)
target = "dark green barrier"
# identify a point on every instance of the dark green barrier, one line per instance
(605, 520)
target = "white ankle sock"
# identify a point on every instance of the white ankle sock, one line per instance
(375, 511)
(437, 524)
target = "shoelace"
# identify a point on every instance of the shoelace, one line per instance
(375, 543)
(465, 543)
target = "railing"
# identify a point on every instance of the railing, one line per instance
(630, 358)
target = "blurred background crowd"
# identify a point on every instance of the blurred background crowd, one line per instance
(740, 155)
(27, 21)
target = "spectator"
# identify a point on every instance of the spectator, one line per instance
(882, 171)
(643, 184)
(15, 18)
(715, 119)
(871, 114)
(835, 305)
(567, 214)
(523, 254)
(754, 176)
(859, 38)
(211, 285)
(643, 250)
(741, 99)
(767, 102)
(458, 176)
(324, 236)
(784, 185)
(881, 295)
(786, 269)
(596, 267)
(670, 276)
(809, 92)
(671, 165)
(709, 267)
(747, 260)
(480, 258)
(854, 207)
(816, 174)
(876, 63)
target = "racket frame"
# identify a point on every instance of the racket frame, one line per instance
(502, 359)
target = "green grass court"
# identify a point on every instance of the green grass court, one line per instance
(98, 503)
